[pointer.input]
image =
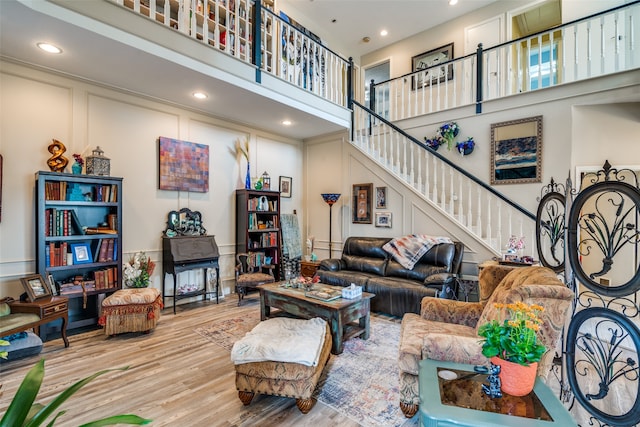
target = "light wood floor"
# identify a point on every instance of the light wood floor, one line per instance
(176, 377)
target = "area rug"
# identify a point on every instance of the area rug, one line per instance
(361, 383)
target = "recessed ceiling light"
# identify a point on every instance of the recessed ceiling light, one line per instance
(200, 95)
(286, 122)
(383, 33)
(452, 2)
(48, 47)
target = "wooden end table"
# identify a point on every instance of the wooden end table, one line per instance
(347, 318)
(48, 309)
(460, 401)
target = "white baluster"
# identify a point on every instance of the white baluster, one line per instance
(479, 219)
(460, 202)
(434, 189)
(167, 13)
(453, 194)
(489, 228)
(470, 206)
(499, 232)
(136, 6)
(443, 189)
(426, 173)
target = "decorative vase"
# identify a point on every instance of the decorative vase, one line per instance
(515, 379)
(247, 179)
(465, 151)
(76, 168)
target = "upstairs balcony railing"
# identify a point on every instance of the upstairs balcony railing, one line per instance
(593, 46)
(237, 26)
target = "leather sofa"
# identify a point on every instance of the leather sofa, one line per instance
(398, 290)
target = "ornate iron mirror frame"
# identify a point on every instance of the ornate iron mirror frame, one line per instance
(550, 229)
(602, 342)
(184, 223)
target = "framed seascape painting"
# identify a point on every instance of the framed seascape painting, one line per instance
(434, 75)
(516, 151)
(362, 203)
(184, 166)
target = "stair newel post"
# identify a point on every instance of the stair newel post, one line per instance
(372, 103)
(257, 40)
(350, 92)
(479, 79)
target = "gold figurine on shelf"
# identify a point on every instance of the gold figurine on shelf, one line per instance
(57, 162)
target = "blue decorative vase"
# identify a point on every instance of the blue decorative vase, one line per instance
(247, 179)
(76, 168)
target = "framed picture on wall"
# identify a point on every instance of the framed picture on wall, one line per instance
(516, 151)
(285, 186)
(381, 197)
(428, 61)
(362, 203)
(383, 219)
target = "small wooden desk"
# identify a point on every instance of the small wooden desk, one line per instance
(466, 389)
(341, 314)
(48, 309)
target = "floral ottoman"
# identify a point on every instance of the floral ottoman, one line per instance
(131, 310)
(286, 379)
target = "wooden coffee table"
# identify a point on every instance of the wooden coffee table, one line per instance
(347, 318)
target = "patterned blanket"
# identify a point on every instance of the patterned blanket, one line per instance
(408, 250)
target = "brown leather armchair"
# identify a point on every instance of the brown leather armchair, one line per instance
(447, 329)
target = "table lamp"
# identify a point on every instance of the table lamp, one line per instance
(330, 199)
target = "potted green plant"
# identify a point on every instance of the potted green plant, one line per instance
(512, 344)
(23, 411)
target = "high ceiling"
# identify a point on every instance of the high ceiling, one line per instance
(104, 57)
(356, 19)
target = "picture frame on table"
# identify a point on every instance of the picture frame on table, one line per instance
(52, 284)
(429, 60)
(383, 219)
(81, 253)
(516, 151)
(361, 196)
(36, 287)
(285, 186)
(381, 197)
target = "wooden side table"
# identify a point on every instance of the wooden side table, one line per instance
(309, 268)
(48, 309)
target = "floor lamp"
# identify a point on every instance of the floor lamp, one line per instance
(330, 198)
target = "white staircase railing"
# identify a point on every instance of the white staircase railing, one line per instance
(597, 45)
(486, 214)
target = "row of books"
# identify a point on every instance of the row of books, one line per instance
(256, 223)
(61, 222)
(106, 250)
(56, 254)
(57, 190)
(265, 240)
(262, 204)
(106, 278)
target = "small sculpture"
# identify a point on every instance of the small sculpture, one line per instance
(57, 162)
(493, 389)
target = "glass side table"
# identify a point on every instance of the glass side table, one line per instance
(451, 395)
(467, 285)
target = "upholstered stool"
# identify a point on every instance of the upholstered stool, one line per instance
(131, 310)
(286, 379)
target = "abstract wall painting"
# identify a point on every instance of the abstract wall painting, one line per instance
(184, 166)
(516, 151)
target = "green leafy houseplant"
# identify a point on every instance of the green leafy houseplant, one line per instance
(24, 412)
(514, 338)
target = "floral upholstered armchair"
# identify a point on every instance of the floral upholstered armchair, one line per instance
(447, 329)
